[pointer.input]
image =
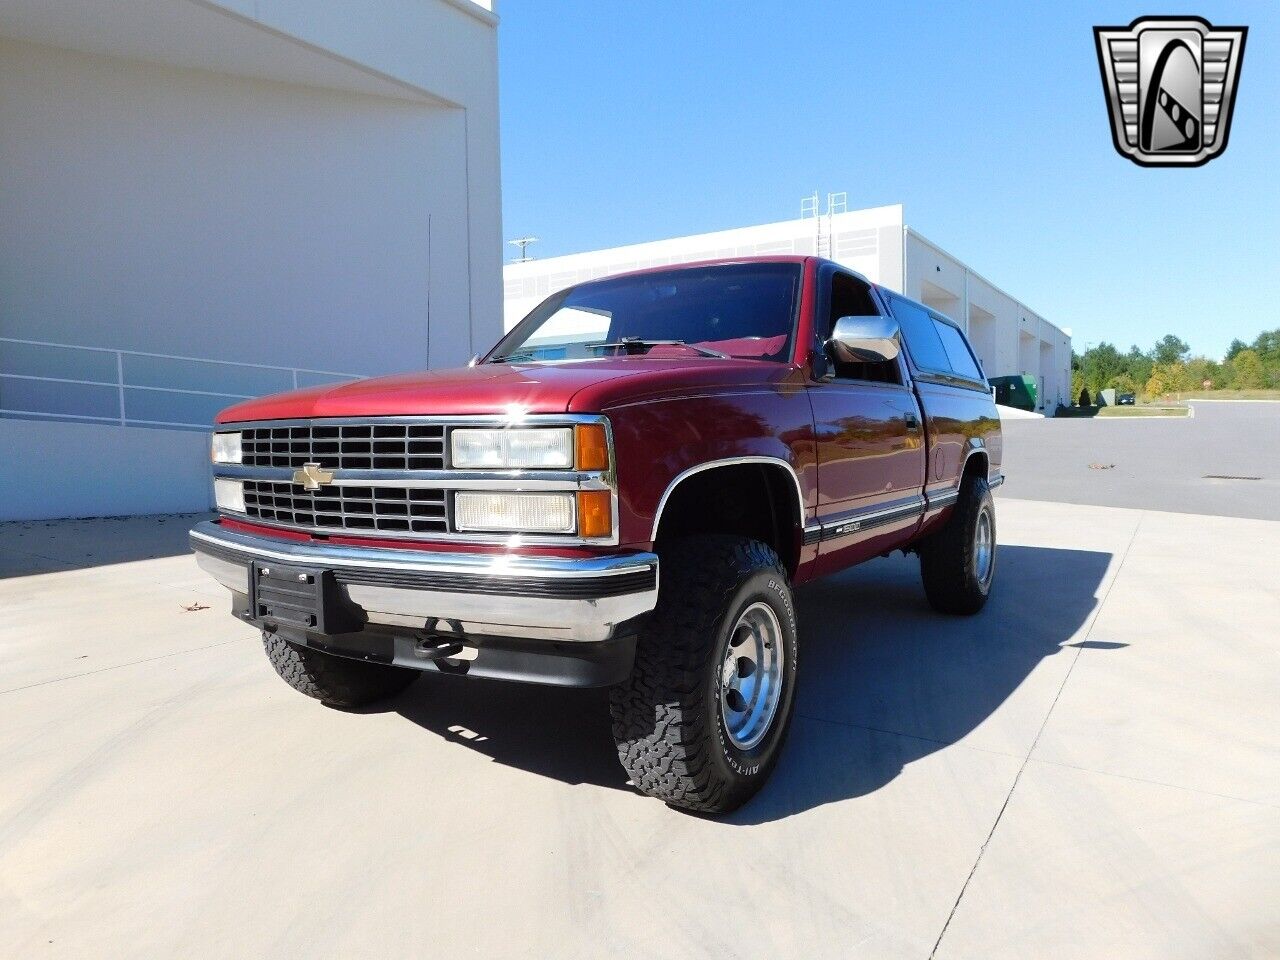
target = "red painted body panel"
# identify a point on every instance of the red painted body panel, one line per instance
(670, 411)
(868, 457)
(500, 388)
(659, 438)
(961, 423)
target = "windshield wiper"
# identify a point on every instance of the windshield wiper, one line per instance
(638, 345)
(513, 358)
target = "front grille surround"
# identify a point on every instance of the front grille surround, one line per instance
(391, 478)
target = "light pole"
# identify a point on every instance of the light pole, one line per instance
(523, 244)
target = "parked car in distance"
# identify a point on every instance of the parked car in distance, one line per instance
(623, 492)
(1125, 400)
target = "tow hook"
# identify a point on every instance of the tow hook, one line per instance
(441, 645)
(436, 647)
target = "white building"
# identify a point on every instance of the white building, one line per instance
(1009, 338)
(203, 200)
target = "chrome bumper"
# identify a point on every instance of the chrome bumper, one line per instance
(532, 597)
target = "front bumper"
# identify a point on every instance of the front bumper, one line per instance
(524, 605)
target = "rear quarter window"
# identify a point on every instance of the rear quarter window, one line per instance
(923, 342)
(957, 350)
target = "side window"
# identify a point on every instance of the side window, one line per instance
(922, 337)
(961, 360)
(851, 297)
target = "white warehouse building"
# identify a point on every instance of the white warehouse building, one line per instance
(1009, 338)
(206, 200)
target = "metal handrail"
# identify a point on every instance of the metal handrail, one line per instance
(172, 356)
(120, 383)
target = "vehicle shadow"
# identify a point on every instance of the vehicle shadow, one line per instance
(34, 547)
(884, 681)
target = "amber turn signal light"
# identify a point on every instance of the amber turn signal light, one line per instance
(595, 513)
(591, 446)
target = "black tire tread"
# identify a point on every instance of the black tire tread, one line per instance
(660, 720)
(946, 557)
(336, 681)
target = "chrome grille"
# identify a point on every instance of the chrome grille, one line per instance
(362, 446)
(350, 509)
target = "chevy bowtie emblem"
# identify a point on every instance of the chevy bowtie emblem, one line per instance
(1170, 84)
(311, 476)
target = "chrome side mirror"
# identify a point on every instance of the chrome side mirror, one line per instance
(864, 340)
(474, 360)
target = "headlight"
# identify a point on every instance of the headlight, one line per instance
(227, 448)
(516, 449)
(229, 494)
(514, 512)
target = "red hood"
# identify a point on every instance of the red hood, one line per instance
(585, 386)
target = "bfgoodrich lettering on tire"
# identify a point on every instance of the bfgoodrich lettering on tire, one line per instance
(702, 718)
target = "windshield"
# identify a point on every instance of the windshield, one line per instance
(735, 310)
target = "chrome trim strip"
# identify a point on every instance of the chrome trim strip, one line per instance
(996, 482)
(382, 558)
(726, 462)
(863, 519)
(513, 480)
(939, 500)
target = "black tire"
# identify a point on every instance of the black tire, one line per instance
(668, 723)
(949, 558)
(336, 681)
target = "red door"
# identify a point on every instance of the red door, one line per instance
(869, 441)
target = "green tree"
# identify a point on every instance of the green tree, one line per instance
(1169, 367)
(1137, 364)
(1173, 377)
(1077, 382)
(1155, 386)
(1099, 364)
(1247, 371)
(1123, 383)
(1170, 349)
(1267, 346)
(1201, 370)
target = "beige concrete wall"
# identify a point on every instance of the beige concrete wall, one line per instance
(49, 468)
(301, 184)
(868, 241)
(1010, 339)
(174, 211)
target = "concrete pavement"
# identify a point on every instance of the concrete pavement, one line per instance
(1089, 769)
(1171, 464)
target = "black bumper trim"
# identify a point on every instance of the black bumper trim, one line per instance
(601, 664)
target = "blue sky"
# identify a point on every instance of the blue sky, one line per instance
(625, 122)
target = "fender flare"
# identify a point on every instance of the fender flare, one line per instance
(976, 449)
(727, 462)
